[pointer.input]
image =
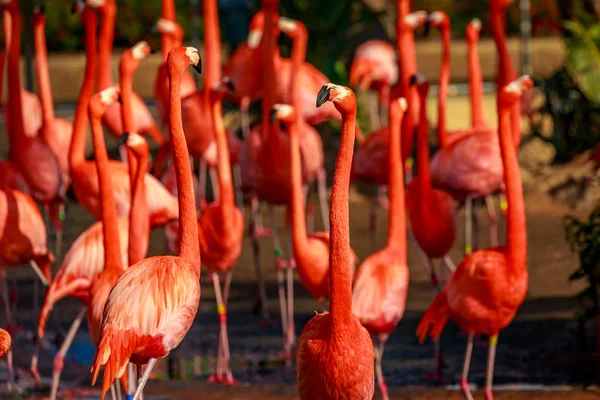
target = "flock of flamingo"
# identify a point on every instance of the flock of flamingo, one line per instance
(139, 309)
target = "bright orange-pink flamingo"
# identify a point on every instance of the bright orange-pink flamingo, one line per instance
(488, 287)
(112, 118)
(32, 154)
(323, 367)
(375, 67)
(148, 329)
(432, 211)
(30, 103)
(371, 159)
(311, 252)
(56, 132)
(381, 285)
(5, 341)
(23, 240)
(162, 206)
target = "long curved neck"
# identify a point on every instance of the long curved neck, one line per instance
(168, 13)
(126, 86)
(6, 19)
(42, 75)
(212, 46)
(139, 220)
(298, 56)
(443, 88)
(268, 70)
(189, 248)
(475, 84)
(506, 70)
(112, 251)
(299, 234)
(16, 131)
(397, 218)
(340, 303)
(107, 34)
(423, 175)
(516, 231)
(226, 192)
(77, 149)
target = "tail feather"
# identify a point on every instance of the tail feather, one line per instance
(435, 318)
(113, 352)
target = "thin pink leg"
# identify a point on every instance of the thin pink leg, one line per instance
(214, 182)
(373, 223)
(60, 356)
(202, 184)
(489, 378)
(222, 311)
(9, 318)
(280, 265)
(464, 384)
(380, 340)
(291, 330)
(254, 233)
(310, 211)
(144, 379)
(237, 185)
(373, 112)
(489, 202)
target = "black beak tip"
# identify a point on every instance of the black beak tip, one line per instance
(121, 140)
(198, 67)
(119, 99)
(537, 82)
(230, 85)
(152, 51)
(323, 96)
(413, 80)
(273, 115)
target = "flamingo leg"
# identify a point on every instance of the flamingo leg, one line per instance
(113, 392)
(224, 337)
(254, 233)
(279, 264)
(503, 201)
(310, 211)
(468, 225)
(144, 379)
(123, 153)
(131, 378)
(59, 358)
(426, 261)
(464, 383)
(237, 185)
(9, 319)
(117, 386)
(202, 183)
(489, 395)
(291, 330)
(244, 116)
(489, 202)
(214, 181)
(449, 263)
(323, 203)
(39, 273)
(380, 343)
(59, 232)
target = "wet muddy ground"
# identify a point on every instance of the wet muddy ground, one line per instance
(543, 345)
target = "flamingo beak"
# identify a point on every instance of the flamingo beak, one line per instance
(413, 80)
(427, 27)
(198, 66)
(273, 115)
(537, 82)
(229, 84)
(323, 96)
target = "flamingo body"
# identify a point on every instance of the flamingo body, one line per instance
(11, 177)
(220, 233)
(371, 159)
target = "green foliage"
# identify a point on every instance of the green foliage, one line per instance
(584, 238)
(583, 57)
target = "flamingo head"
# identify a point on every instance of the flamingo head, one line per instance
(415, 19)
(342, 97)
(140, 50)
(513, 91)
(225, 85)
(164, 25)
(195, 60)
(284, 113)
(292, 28)
(135, 142)
(437, 19)
(10, 5)
(473, 29)
(96, 3)
(256, 29)
(39, 17)
(421, 83)
(102, 100)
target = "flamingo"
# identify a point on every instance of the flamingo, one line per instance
(149, 328)
(481, 169)
(5, 341)
(23, 240)
(162, 206)
(432, 212)
(381, 285)
(335, 353)
(488, 286)
(375, 66)
(32, 154)
(55, 131)
(103, 283)
(112, 118)
(370, 162)
(31, 105)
